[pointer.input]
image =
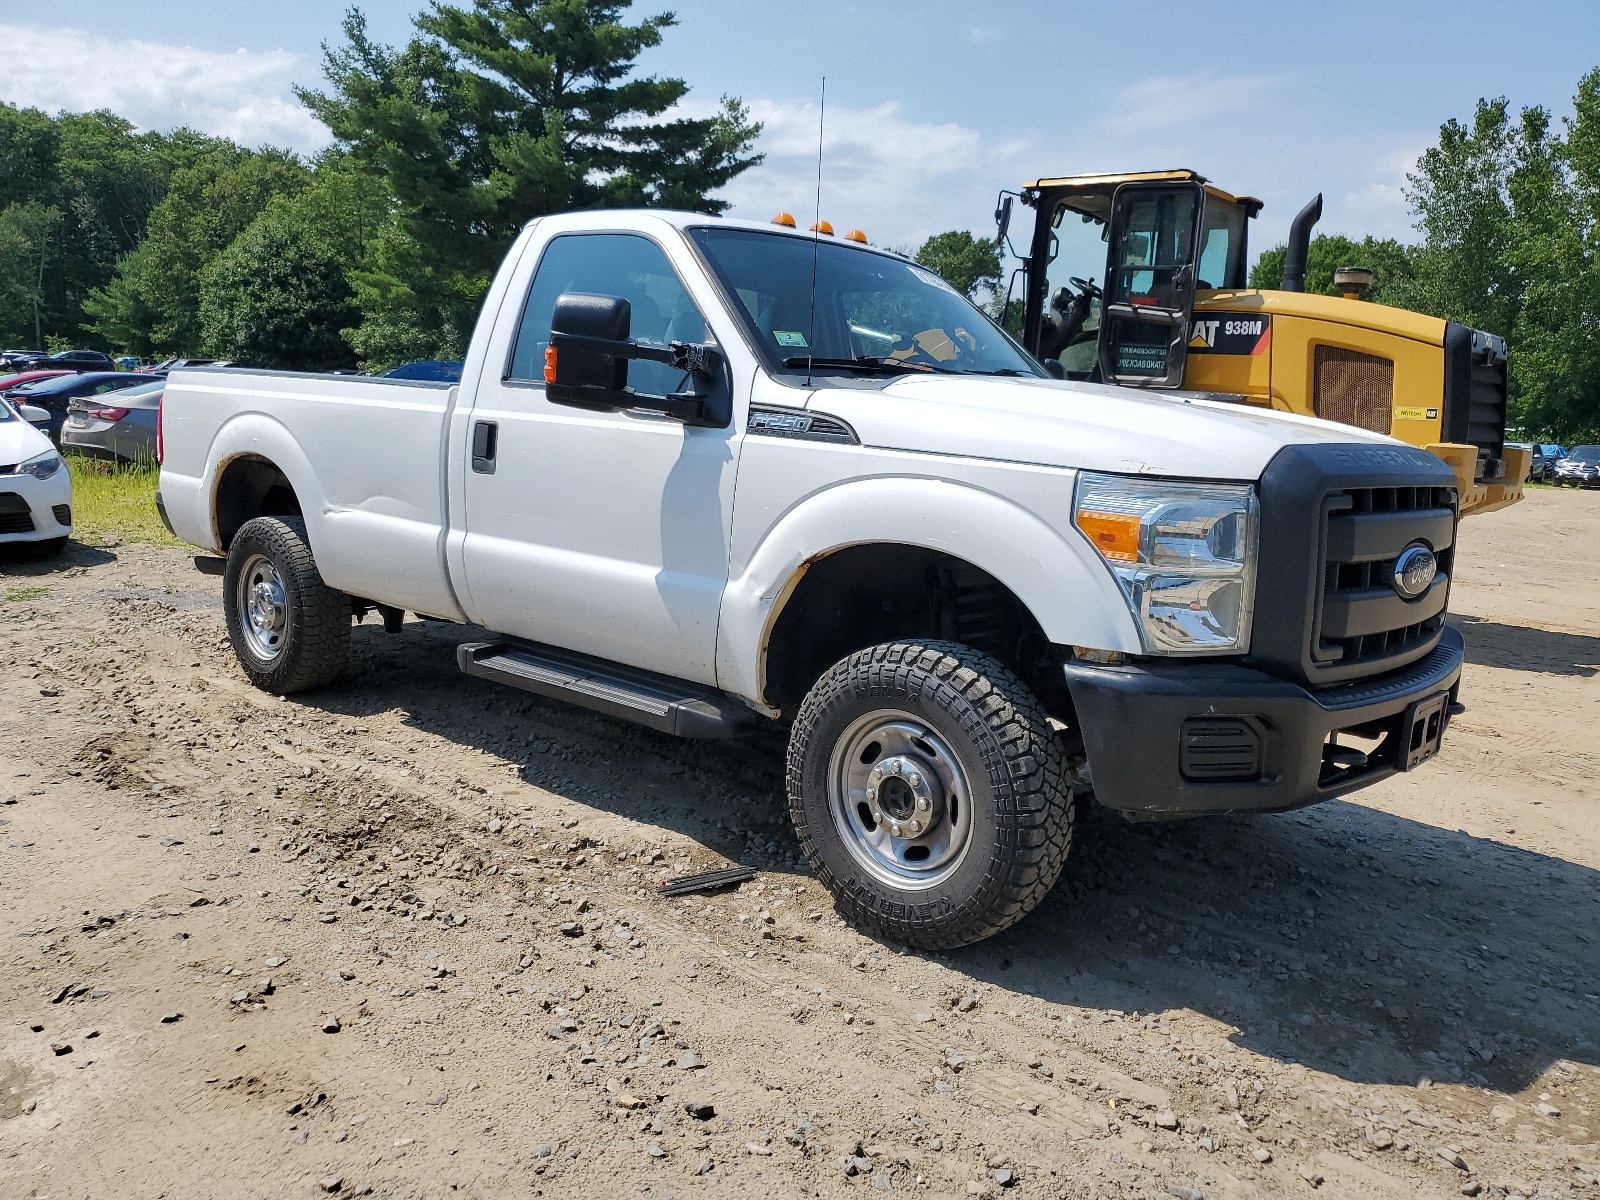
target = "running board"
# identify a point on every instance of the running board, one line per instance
(659, 701)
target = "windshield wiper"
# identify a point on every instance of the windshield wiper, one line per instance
(867, 363)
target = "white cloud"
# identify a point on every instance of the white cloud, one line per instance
(244, 95)
(1184, 101)
(900, 180)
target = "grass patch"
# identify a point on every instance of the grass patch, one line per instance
(116, 502)
(18, 594)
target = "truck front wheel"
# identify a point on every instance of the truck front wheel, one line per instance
(289, 630)
(929, 792)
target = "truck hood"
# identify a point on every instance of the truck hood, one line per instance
(1086, 426)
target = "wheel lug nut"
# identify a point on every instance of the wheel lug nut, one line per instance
(923, 805)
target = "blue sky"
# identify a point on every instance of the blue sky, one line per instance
(932, 106)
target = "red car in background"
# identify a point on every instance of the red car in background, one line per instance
(7, 382)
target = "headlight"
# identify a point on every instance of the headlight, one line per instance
(1184, 555)
(42, 466)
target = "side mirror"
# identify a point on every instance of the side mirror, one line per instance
(1002, 219)
(33, 414)
(586, 363)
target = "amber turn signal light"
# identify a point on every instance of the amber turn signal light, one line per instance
(1115, 535)
(549, 364)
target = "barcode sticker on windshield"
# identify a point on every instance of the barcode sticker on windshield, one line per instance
(788, 337)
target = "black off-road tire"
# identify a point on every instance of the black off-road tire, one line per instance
(1022, 810)
(316, 629)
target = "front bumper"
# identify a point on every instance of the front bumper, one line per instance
(1175, 739)
(34, 510)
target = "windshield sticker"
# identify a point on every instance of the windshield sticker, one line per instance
(930, 278)
(788, 337)
(1230, 333)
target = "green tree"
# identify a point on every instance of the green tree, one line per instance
(278, 297)
(153, 304)
(966, 263)
(1458, 194)
(281, 294)
(28, 241)
(1393, 266)
(495, 114)
(1508, 211)
(103, 179)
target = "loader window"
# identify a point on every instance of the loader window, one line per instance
(1222, 246)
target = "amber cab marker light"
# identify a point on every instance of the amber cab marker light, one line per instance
(855, 235)
(549, 364)
(784, 219)
(823, 227)
(1115, 535)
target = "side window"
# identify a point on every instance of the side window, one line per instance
(610, 264)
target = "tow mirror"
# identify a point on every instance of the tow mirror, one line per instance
(33, 414)
(586, 363)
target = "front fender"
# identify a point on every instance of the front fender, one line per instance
(1057, 575)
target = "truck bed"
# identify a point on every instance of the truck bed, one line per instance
(365, 456)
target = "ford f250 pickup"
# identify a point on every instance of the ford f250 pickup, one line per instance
(700, 473)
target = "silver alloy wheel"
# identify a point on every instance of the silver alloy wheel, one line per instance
(263, 607)
(900, 799)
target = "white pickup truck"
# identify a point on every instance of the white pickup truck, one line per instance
(700, 473)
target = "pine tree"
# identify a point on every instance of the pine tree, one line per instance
(496, 114)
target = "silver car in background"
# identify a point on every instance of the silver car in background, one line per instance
(120, 426)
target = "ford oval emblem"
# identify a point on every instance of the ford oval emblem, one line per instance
(1414, 570)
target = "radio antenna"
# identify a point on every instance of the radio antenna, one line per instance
(816, 233)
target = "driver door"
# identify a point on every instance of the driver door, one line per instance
(1150, 281)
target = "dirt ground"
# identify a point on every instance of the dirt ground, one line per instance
(399, 938)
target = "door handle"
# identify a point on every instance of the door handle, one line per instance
(485, 435)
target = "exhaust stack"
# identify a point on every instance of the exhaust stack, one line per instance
(1294, 259)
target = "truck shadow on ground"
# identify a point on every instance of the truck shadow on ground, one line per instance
(1366, 945)
(1525, 648)
(1359, 943)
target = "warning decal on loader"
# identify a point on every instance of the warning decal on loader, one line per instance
(1230, 333)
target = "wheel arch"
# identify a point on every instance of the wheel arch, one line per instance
(257, 469)
(823, 548)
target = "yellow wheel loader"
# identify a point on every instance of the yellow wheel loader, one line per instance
(1173, 311)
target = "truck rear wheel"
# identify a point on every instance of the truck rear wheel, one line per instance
(929, 792)
(289, 630)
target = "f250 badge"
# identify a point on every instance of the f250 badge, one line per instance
(1230, 333)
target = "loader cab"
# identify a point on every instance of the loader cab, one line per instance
(1113, 265)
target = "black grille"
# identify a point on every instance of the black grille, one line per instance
(1216, 749)
(15, 516)
(1475, 394)
(1362, 619)
(1334, 517)
(62, 514)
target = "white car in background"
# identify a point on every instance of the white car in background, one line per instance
(35, 486)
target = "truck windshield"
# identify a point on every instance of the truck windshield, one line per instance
(874, 312)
